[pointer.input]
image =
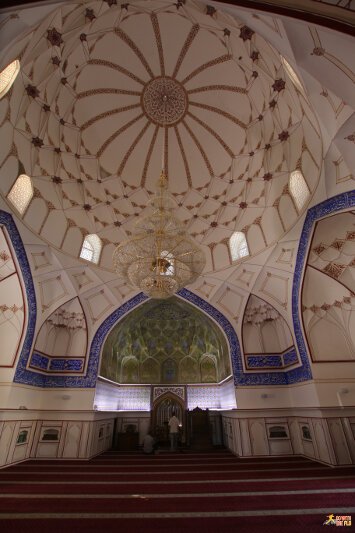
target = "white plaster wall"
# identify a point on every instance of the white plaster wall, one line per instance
(311, 394)
(13, 395)
(246, 433)
(79, 435)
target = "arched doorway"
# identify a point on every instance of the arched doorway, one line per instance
(163, 409)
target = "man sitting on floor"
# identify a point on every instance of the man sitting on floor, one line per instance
(148, 444)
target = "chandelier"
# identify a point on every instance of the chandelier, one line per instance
(160, 258)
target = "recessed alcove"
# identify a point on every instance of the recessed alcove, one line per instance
(165, 342)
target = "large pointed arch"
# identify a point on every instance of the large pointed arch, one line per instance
(341, 202)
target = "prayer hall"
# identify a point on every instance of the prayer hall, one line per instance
(177, 266)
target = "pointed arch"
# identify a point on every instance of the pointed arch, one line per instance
(266, 336)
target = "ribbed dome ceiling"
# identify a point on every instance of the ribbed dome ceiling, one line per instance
(89, 123)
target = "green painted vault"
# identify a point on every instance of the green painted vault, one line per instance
(166, 341)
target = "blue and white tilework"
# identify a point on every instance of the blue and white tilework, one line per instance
(67, 365)
(39, 361)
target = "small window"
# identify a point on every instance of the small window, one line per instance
(101, 432)
(277, 432)
(21, 193)
(291, 74)
(167, 266)
(238, 246)
(50, 434)
(298, 189)
(306, 433)
(91, 248)
(22, 437)
(8, 76)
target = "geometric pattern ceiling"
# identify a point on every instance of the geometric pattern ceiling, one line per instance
(106, 89)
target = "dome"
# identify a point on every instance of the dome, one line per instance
(105, 91)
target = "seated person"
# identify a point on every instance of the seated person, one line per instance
(148, 444)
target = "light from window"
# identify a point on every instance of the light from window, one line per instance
(21, 193)
(238, 246)
(22, 437)
(298, 189)
(277, 432)
(169, 266)
(91, 248)
(50, 434)
(306, 433)
(8, 76)
(292, 74)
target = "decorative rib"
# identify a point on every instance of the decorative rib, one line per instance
(166, 151)
(125, 38)
(108, 114)
(156, 29)
(131, 148)
(231, 88)
(220, 112)
(91, 92)
(184, 158)
(213, 133)
(117, 133)
(149, 155)
(201, 150)
(122, 70)
(189, 39)
(209, 64)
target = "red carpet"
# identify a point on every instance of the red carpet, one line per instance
(187, 493)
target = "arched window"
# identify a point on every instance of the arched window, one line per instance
(238, 246)
(277, 432)
(306, 434)
(21, 193)
(50, 434)
(8, 76)
(91, 248)
(298, 189)
(22, 437)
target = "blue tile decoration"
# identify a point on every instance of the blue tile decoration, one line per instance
(40, 361)
(66, 365)
(290, 357)
(301, 373)
(265, 361)
(261, 361)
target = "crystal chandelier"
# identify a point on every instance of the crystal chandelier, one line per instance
(160, 258)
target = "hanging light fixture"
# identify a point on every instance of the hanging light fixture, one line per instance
(159, 258)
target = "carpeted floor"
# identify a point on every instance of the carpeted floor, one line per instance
(190, 492)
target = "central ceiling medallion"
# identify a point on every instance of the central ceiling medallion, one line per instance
(164, 101)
